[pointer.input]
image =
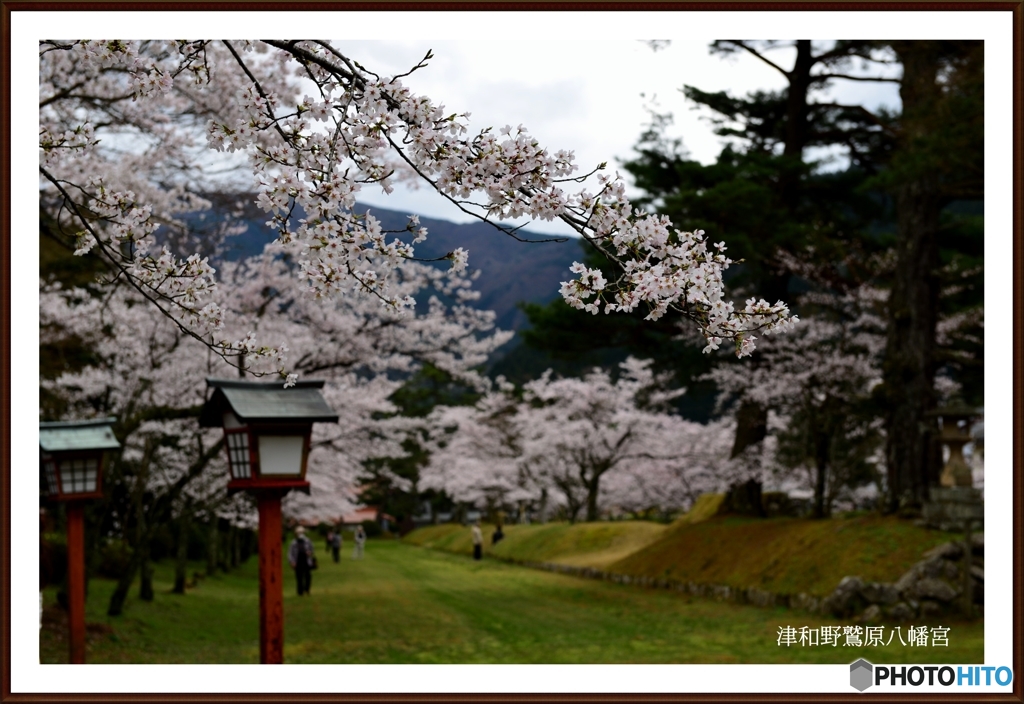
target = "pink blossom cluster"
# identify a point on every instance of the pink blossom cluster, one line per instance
(148, 373)
(125, 124)
(577, 445)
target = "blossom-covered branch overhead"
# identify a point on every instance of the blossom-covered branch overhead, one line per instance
(127, 129)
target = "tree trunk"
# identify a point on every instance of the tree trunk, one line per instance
(593, 490)
(745, 499)
(140, 537)
(592, 505)
(234, 549)
(181, 552)
(909, 364)
(224, 551)
(797, 128)
(146, 579)
(572, 505)
(751, 418)
(751, 428)
(212, 537)
(821, 445)
(116, 605)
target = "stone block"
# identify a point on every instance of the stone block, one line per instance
(871, 615)
(950, 570)
(935, 567)
(931, 588)
(907, 581)
(946, 551)
(977, 543)
(880, 593)
(901, 612)
(954, 494)
(846, 599)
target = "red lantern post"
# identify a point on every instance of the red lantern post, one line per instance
(271, 587)
(267, 428)
(71, 455)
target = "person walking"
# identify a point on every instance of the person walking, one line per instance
(360, 539)
(301, 558)
(478, 541)
(334, 538)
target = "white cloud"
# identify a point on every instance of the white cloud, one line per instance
(584, 95)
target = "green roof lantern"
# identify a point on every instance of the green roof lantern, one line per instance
(71, 457)
(267, 428)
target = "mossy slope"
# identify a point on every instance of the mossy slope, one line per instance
(582, 545)
(783, 555)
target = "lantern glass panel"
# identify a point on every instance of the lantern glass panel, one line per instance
(238, 454)
(281, 455)
(78, 475)
(50, 473)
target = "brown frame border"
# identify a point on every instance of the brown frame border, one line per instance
(7, 7)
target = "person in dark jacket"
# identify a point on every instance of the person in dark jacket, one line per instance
(300, 557)
(334, 540)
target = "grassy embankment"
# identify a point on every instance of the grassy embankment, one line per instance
(407, 605)
(782, 555)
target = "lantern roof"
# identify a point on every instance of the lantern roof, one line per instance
(266, 402)
(71, 435)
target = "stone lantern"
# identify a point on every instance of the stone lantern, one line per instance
(956, 424)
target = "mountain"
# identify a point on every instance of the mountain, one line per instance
(510, 271)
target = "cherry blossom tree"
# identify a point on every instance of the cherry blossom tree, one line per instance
(365, 351)
(476, 451)
(138, 362)
(694, 459)
(126, 133)
(586, 446)
(147, 372)
(579, 430)
(814, 380)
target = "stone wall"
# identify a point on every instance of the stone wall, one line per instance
(932, 588)
(948, 508)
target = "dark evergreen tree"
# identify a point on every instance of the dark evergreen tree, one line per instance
(912, 186)
(762, 196)
(936, 163)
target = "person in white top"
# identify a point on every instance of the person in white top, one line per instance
(360, 540)
(478, 541)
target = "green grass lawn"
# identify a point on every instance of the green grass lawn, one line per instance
(405, 604)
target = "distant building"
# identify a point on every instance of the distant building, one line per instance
(367, 513)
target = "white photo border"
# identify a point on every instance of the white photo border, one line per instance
(27, 27)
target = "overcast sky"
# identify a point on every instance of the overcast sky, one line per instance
(587, 96)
